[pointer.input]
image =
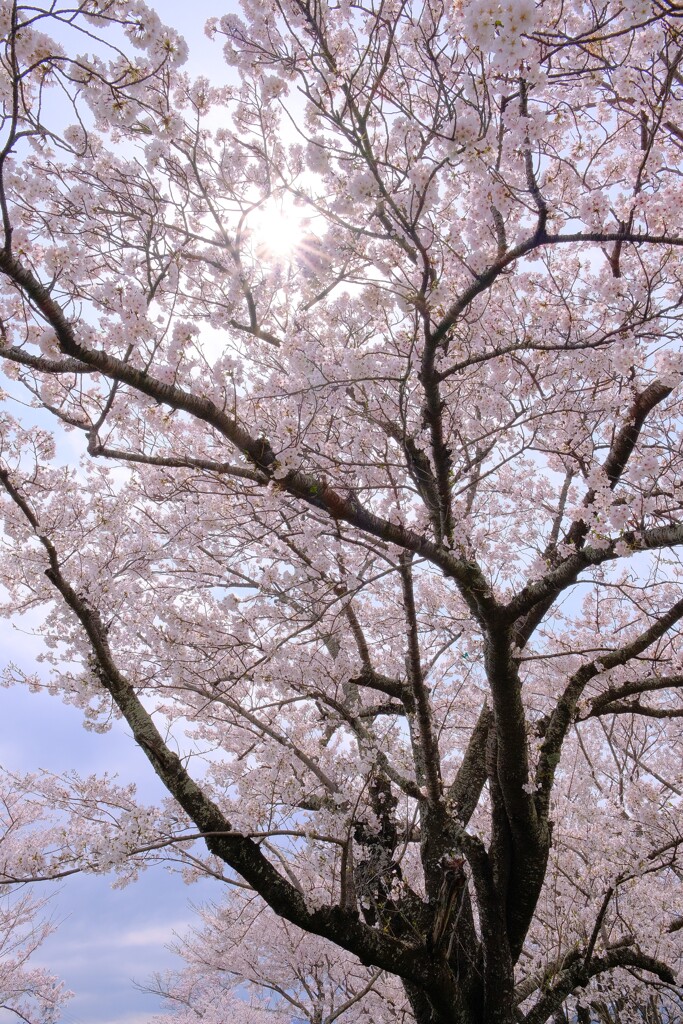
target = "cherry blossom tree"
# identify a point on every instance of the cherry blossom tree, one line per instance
(342, 452)
(27, 992)
(289, 974)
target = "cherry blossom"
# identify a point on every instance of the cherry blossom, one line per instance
(28, 993)
(372, 537)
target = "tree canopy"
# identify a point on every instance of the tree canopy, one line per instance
(341, 450)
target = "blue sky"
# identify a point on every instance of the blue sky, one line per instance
(106, 938)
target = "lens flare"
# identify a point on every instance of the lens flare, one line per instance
(277, 229)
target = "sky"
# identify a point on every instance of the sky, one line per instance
(106, 940)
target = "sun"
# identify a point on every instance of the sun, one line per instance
(277, 228)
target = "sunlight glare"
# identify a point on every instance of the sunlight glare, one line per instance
(277, 228)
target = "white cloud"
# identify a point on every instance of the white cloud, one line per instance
(153, 935)
(127, 1018)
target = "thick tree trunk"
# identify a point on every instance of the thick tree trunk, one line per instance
(476, 1010)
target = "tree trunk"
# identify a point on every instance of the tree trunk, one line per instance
(428, 1010)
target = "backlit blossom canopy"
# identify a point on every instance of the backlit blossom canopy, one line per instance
(341, 450)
